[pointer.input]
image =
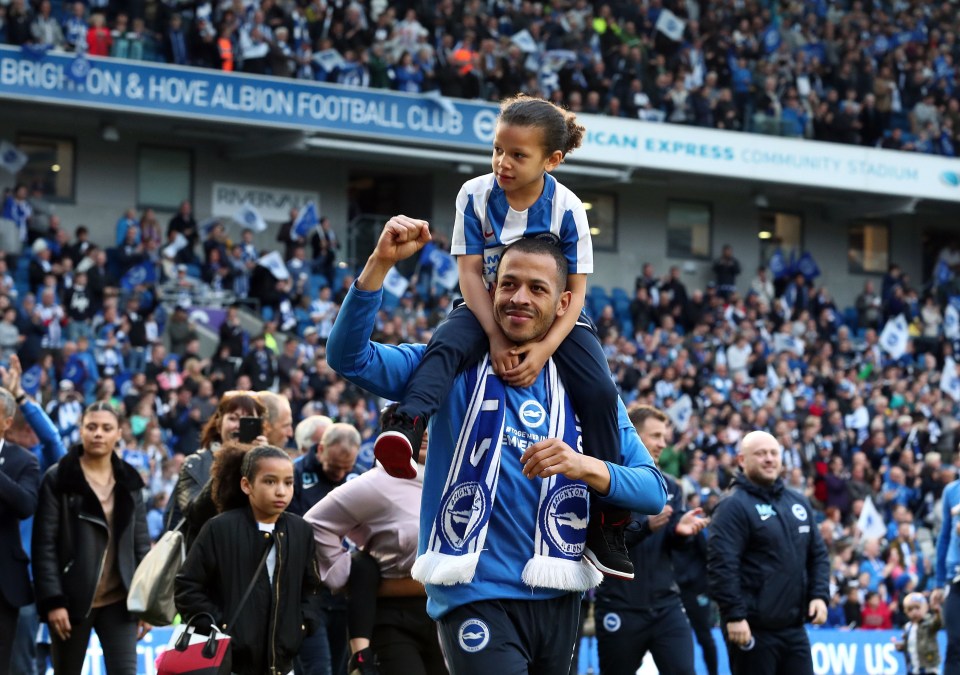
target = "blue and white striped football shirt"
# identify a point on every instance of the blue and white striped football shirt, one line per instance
(486, 224)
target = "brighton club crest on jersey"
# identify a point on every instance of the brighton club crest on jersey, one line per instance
(565, 517)
(464, 510)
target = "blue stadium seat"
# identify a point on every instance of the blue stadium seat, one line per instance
(850, 317)
(314, 283)
(621, 306)
(619, 293)
(193, 271)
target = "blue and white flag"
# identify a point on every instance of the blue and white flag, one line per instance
(30, 380)
(395, 283)
(328, 59)
(680, 412)
(273, 261)
(808, 267)
(942, 274)
(951, 322)
(35, 51)
(144, 273)
(871, 523)
(778, 265)
(79, 68)
(671, 25)
(248, 216)
(434, 96)
(949, 380)
(525, 42)
(784, 342)
(444, 269)
(556, 59)
(307, 219)
(771, 39)
(895, 337)
(12, 160)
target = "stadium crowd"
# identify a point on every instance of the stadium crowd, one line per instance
(746, 352)
(869, 73)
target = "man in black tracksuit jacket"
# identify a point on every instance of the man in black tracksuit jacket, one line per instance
(646, 613)
(768, 567)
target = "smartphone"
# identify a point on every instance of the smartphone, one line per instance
(250, 428)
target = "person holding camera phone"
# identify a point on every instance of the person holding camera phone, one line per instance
(191, 497)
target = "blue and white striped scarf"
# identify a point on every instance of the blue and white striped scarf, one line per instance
(460, 525)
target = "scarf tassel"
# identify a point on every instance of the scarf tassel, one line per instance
(443, 569)
(543, 571)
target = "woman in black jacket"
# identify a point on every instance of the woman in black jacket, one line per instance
(89, 535)
(253, 489)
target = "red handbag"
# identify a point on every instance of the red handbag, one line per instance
(197, 654)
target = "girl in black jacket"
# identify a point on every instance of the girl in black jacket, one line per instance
(253, 490)
(89, 535)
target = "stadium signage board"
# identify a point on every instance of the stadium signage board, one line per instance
(173, 91)
(273, 204)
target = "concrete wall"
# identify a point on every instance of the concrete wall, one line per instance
(106, 184)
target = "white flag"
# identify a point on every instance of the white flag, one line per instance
(395, 283)
(11, 159)
(895, 337)
(248, 216)
(949, 380)
(525, 41)
(671, 25)
(444, 269)
(784, 342)
(871, 523)
(273, 261)
(951, 323)
(680, 412)
(179, 242)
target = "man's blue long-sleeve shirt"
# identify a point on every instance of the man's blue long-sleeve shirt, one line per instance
(635, 484)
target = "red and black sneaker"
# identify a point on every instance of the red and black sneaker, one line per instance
(398, 444)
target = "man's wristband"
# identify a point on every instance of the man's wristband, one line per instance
(21, 399)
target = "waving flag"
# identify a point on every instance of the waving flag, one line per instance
(79, 68)
(307, 219)
(778, 265)
(144, 273)
(680, 412)
(951, 322)
(671, 25)
(30, 380)
(273, 261)
(895, 337)
(808, 267)
(771, 39)
(11, 158)
(949, 380)
(871, 523)
(248, 216)
(444, 269)
(525, 42)
(395, 283)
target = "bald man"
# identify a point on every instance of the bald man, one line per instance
(279, 418)
(768, 567)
